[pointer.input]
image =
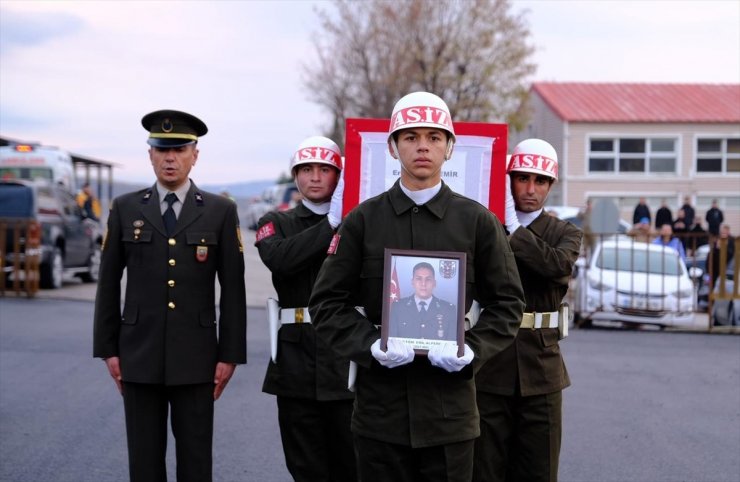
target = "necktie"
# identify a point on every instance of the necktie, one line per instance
(169, 218)
(423, 307)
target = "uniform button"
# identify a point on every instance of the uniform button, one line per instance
(171, 305)
(171, 242)
(172, 262)
(171, 283)
(415, 210)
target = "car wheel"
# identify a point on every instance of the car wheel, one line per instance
(52, 272)
(719, 317)
(93, 266)
(583, 322)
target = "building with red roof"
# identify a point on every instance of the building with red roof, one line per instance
(630, 140)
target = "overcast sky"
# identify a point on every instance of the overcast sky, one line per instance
(80, 75)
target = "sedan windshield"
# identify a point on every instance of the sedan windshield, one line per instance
(639, 261)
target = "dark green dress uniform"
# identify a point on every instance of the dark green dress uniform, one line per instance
(310, 381)
(519, 390)
(168, 336)
(415, 405)
(439, 322)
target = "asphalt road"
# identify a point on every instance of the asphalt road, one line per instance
(644, 406)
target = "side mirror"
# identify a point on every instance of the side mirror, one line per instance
(695, 273)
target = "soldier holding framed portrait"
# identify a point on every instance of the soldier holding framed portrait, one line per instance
(415, 417)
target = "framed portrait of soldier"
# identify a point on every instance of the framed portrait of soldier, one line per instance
(477, 168)
(423, 298)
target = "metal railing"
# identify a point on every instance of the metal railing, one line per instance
(20, 256)
(631, 282)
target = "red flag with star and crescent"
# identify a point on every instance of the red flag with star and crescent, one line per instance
(395, 290)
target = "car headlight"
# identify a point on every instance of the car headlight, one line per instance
(597, 284)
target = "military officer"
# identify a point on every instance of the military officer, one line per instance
(167, 349)
(415, 418)
(520, 389)
(310, 381)
(423, 315)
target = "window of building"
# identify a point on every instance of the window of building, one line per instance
(632, 155)
(718, 155)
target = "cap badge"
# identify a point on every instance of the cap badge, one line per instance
(167, 125)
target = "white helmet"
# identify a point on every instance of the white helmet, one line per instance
(421, 109)
(318, 149)
(535, 156)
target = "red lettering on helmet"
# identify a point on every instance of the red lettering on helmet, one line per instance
(426, 115)
(531, 161)
(413, 114)
(321, 153)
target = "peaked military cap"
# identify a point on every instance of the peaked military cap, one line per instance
(172, 128)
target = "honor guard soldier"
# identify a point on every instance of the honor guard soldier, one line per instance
(415, 417)
(309, 379)
(167, 349)
(519, 390)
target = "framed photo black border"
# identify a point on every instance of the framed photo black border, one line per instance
(388, 258)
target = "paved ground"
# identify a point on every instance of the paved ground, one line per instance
(644, 406)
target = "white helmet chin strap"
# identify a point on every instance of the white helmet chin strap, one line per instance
(394, 148)
(448, 152)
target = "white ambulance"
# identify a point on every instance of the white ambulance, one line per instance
(33, 161)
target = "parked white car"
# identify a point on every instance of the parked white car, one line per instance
(634, 282)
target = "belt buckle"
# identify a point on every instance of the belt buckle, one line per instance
(299, 315)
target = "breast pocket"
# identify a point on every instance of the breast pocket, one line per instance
(135, 240)
(371, 275)
(204, 245)
(371, 287)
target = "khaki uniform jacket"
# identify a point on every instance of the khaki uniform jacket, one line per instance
(168, 331)
(416, 405)
(306, 367)
(545, 252)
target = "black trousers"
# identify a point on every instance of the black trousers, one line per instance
(146, 407)
(317, 441)
(520, 438)
(401, 463)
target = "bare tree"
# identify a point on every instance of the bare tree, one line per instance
(472, 53)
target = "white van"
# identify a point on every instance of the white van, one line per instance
(33, 162)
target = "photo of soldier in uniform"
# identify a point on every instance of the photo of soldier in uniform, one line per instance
(423, 309)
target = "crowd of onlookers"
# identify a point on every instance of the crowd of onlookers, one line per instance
(685, 233)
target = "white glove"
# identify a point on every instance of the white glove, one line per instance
(512, 222)
(335, 208)
(398, 353)
(445, 357)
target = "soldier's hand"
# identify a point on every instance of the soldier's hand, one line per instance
(114, 368)
(511, 221)
(335, 207)
(445, 357)
(397, 353)
(224, 371)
